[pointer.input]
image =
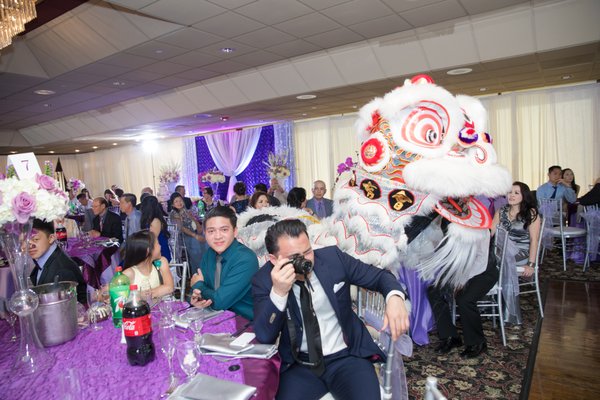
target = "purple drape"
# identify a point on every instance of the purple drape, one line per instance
(256, 172)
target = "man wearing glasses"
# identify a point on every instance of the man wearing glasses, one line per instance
(304, 294)
(223, 279)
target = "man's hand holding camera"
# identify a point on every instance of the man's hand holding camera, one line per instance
(283, 276)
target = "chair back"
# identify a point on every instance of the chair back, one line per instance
(174, 242)
(500, 244)
(179, 273)
(431, 390)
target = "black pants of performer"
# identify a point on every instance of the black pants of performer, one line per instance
(345, 377)
(466, 302)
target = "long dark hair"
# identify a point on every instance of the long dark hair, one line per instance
(528, 211)
(138, 248)
(296, 197)
(151, 209)
(574, 186)
(175, 195)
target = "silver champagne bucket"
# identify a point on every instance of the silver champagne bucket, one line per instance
(56, 315)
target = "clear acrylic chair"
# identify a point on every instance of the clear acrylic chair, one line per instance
(555, 228)
(535, 281)
(431, 390)
(591, 215)
(179, 273)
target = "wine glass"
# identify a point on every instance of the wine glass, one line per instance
(168, 342)
(94, 299)
(11, 318)
(196, 327)
(187, 352)
(167, 307)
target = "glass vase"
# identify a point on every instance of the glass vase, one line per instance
(31, 357)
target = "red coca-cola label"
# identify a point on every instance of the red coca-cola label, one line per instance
(61, 234)
(139, 326)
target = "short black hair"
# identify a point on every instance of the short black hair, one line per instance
(288, 227)
(222, 211)
(130, 198)
(239, 188)
(296, 197)
(179, 186)
(143, 196)
(43, 225)
(260, 187)
(552, 168)
(138, 248)
(102, 200)
(81, 196)
(119, 192)
(208, 190)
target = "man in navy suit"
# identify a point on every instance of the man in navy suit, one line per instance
(105, 223)
(324, 346)
(322, 207)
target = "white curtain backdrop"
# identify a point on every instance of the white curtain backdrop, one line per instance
(232, 152)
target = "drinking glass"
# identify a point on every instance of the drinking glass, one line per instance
(69, 384)
(187, 352)
(94, 299)
(11, 318)
(196, 327)
(168, 343)
(167, 307)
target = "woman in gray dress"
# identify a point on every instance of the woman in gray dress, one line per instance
(520, 218)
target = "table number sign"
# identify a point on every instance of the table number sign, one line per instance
(25, 164)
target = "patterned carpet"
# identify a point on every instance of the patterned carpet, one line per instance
(499, 373)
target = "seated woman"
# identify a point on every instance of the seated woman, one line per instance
(153, 219)
(259, 200)
(145, 267)
(208, 199)
(297, 198)
(239, 201)
(520, 218)
(569, 178)
(190, 229)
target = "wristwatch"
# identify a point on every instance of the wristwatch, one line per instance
(531, 264)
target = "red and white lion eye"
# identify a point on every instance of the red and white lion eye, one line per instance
(425, 125)
(374, 153)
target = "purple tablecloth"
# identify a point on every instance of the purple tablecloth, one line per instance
(99, 360)
(94, 258)
(421, 315)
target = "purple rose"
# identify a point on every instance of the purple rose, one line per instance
(45, 182)
(350, 162)
(23, 206)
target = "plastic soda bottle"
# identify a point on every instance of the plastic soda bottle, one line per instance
(119, 292)
(137, 326)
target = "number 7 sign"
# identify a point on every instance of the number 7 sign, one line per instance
(26, 165)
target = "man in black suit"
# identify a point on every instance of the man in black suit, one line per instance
(324, 347)
(106, 223)
(51, 261)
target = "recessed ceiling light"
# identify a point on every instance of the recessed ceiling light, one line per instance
(306, 96)
(565, 77)
(159, 51)
(304, 114)
(224, 118)
(13, 152)
(118, 83)
(459, 71)
(44, 92)
(483, 89)
(227, 50)
(76, 150)
(114, 144)
(355, 106)
(51, 152)
(94, 147)
(47, 105)
(202, 115)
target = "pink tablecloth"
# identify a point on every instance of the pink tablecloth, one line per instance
(100, 362)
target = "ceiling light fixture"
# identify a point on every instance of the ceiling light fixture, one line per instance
(459, 71)
(114, 144)
(224, 118)
(227, 50)
(306, 96)
(14, 16)
(76, 150)
(565, 77)
(482, 89)
(159, 51)
(13, 152)
(94, 147)
(51, 152)
(118, 83)
(44, 92)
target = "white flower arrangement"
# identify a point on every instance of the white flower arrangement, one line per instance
(38, 197)
(213, 176)
(75, 185)
(277, 167)
(170, 173)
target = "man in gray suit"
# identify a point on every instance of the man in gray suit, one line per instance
(322, 207)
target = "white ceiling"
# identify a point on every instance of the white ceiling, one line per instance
(120, 67)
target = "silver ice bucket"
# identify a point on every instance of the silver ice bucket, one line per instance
(56, 315)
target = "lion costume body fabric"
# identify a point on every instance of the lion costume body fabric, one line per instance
(424, 156)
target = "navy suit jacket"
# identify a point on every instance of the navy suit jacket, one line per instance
(328, 204)
(62, 265)
(332, 267)
(112, 227)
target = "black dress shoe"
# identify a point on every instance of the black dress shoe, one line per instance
(448, 344)
(474, 350)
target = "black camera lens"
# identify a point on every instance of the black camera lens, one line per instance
(301, 264)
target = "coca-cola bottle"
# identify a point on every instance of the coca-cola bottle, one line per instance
(61, 235)
(138, 329)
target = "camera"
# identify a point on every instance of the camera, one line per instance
(301, 264)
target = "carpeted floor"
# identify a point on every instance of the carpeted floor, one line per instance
(499, 373)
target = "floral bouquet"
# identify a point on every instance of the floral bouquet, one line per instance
(38, 197)
(212, 176)
(170, 173)
(48, 168)
(277, 165)
(75, 185)
(346, 166)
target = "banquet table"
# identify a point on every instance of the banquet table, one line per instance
(93, 257)
(99, 361)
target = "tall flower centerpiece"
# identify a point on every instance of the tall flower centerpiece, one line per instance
(170, 175)
(20, 202)
(212, 177)
(277, 167)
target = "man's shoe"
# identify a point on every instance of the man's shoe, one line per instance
(448, 344)
(473, 351)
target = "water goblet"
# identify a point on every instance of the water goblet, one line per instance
(196, 327)
(167, 306)
(94, 304)
(187, 352)
(11, 318)
(168, 342)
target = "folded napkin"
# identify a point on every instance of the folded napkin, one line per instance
(183, 321)
(204, 387)
(221, 343)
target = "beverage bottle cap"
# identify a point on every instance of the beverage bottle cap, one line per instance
(119, 269)
(133, 287)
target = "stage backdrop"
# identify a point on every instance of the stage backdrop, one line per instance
(256, 172)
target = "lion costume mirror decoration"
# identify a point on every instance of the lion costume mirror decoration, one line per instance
(425, 155)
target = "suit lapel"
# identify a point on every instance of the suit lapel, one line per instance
(47, 270)
(327, 283)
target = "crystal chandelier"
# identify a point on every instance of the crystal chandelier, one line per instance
(14, 14)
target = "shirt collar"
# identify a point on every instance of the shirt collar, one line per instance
(229, 251)
(42, 260)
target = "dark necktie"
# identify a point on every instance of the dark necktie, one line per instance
(554, 192)
(218, 268)
(34, 273)
(101, 223)
(126, 227)
(320, 211)
(313, 333)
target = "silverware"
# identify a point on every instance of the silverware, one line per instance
(241, 330)
(223, 320)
